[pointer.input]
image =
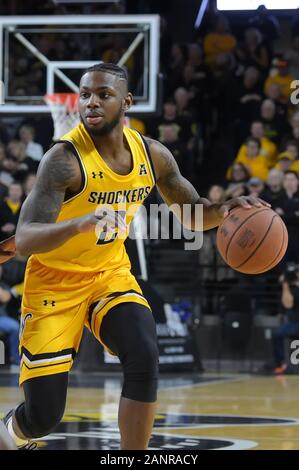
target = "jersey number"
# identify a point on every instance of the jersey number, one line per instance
(109, 237)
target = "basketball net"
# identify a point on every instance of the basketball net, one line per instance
(64, 110)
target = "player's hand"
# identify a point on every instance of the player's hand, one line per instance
(7, 249)
(103, 219)
(243, 201)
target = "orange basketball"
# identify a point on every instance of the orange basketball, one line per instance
(253, 240)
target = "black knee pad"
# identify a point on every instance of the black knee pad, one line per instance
(44, 405)
(140, 366)
(37, 422)
(129, 330)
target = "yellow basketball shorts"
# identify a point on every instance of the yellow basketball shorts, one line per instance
(57, 305)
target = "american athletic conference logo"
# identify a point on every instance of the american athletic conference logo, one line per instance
(142, 169)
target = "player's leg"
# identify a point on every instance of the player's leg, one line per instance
(42, 410)
(129, 330)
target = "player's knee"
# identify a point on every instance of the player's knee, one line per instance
(37, 421)
(43, 422)
(140, 367)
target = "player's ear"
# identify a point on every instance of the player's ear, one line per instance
(128, 100)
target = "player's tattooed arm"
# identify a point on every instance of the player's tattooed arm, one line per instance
(177, 190)
(7, 249)
(37, 231)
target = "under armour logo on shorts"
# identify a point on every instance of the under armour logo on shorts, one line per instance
(51, 302)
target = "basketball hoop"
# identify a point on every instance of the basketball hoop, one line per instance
(64, 110)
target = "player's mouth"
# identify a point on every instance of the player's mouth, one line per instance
(94, 118)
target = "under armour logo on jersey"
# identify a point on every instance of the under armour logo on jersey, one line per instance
(49, 302)
(142, 170)
(95, 175)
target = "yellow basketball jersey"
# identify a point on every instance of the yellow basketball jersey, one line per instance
(91, 252)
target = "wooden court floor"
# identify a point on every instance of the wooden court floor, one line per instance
(195, 411)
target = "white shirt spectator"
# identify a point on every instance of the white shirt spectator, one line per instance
(34, 151)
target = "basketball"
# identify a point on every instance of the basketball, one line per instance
(252, 241)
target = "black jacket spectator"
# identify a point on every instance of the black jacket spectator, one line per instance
(10, 211)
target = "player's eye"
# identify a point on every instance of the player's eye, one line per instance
(84, 95)
(104, 95)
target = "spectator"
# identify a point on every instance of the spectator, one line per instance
(10, 210)
(175, 67)
(266, 23)
(239, 173)
(268, 149)
(169, 136)
(9, 326)
(274, 94)
(34, 151)
(255, 186)
(170, 117)
(294, 133)
(17, 149)
(285, 161)
(182, 99)
(253, 52)
(201, 72)
(292, 56)
(237, 181)
(253, 160)
(289, 211)
(246, 98)
(291, 146)
(216, 194)
(236, 190)
(274, 191)
(290, 328)
(282, 78)
(274, 127)
(8, 170)
(28, 184)
(219, 43)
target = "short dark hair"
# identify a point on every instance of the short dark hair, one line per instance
(253, 139)
(108, 67)
(291, 172)
(291, 142)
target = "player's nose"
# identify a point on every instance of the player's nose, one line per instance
(93, 101)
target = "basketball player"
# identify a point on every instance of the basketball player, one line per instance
(75, 278)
